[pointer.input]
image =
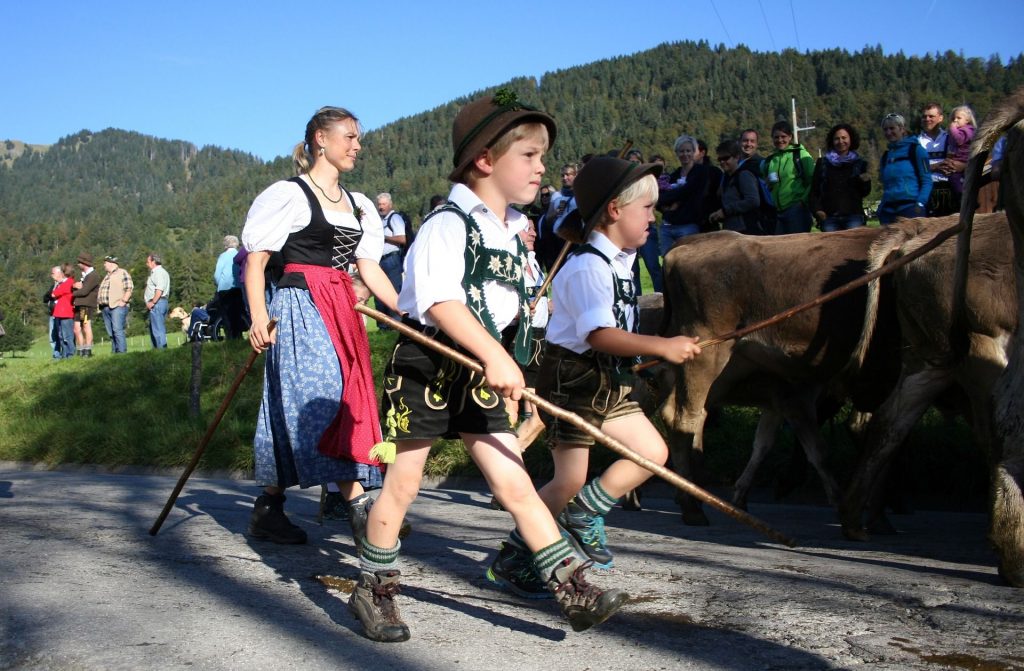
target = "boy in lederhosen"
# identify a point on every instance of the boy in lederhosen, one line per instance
(463, 286)
(591, 346)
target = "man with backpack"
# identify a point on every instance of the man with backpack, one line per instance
(395, 243)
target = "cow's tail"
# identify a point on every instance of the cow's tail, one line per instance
(882, 250)
(1003, 116)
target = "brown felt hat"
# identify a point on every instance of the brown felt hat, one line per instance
(479, 124)
(85, 258)
(598, 183)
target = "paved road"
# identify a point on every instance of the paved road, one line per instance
(83, 586)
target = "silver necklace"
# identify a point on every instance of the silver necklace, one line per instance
(324, 192)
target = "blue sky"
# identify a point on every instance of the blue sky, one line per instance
(248, 75)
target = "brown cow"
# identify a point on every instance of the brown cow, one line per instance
(718, 282)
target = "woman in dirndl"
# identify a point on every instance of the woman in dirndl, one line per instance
(318, 421)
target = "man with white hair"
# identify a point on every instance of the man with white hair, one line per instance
(394, 241)
(227, 277)
(158, 286)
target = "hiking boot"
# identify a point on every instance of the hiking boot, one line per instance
(268, 521)
(586, 531)
(358, 514)
(583, 604)
(335, 506)
(373, 604)
(513, 569)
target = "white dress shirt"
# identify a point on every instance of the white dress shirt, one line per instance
(435, 265)
(583, 292)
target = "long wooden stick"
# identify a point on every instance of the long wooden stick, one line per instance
(246, 367)
(566, 247)
(602, 437)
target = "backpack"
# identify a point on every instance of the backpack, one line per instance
(767, 216)
(410, 233)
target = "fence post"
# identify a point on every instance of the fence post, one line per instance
(196, 378)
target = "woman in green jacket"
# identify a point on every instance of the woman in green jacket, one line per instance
(789, 173)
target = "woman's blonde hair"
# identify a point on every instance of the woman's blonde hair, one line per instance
(304, 153)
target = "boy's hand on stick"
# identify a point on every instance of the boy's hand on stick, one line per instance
(679, 349)
(503, 376)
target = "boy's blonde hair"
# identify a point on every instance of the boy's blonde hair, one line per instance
(504, 143)
(966, 110)
(644, 188)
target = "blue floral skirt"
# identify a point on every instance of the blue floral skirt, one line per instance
(301, 395)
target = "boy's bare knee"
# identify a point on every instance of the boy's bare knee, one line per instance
(515, 496)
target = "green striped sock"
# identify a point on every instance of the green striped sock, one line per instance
(595, 499)
(547, 559)
(378, 559)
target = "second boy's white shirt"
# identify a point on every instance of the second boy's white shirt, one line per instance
(436, 262)
(584, 294)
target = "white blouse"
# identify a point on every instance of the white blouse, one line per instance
(282, 209)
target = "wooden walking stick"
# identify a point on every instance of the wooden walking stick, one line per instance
(565, 248)
(153, 530)
(574, 419)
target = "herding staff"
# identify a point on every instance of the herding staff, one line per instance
(966, 212)
(577, 421)
(208, 435)
(565, 249)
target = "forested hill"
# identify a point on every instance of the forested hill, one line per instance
(122, 192)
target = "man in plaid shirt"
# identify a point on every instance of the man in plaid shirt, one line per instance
(115, 292)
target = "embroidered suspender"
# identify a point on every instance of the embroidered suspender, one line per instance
(623, 307)
(484, 264)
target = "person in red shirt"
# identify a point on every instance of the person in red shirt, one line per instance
(64, 310)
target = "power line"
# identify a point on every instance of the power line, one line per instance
(795, 31)
(724, 29)
(768, 27)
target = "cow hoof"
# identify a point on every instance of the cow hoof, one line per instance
(856, 533)
(695, 519)
(881, 526)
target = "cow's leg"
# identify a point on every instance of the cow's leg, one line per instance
(764, 439)
(801, 414)
(1007, 529)
(887, 430)
(687, 450)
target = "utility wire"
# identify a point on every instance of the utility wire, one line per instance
(795, 31)
(768, 27)
(724, 29)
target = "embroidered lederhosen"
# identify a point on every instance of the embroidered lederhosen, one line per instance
(449, 384)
